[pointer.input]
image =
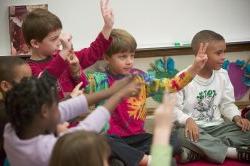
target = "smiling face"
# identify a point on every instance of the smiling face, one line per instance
(216, 54)
(120, 63)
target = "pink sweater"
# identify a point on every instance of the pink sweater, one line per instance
(59, 68)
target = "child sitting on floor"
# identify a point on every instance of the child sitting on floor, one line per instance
(127, 123)
(33, 112)
(42, 33)
(205, 103)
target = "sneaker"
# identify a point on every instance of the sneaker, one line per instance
(188, 155)
(244, 153)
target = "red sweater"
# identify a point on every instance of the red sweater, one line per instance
(59, 68)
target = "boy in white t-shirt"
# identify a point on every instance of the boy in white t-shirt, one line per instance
(204, 104)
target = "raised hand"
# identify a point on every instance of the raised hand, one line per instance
(200, 59)
(66, 42)
(74, 65)
(164, 120)
(164, 113)
(108, 17)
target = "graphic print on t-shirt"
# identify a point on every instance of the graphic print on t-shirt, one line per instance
(204, 107)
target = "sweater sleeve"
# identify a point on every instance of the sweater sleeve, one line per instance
(181, 117)
(72, 108)
(88, 56)
(227, 106)
(94, 122)
(172, 85)
(161, 155)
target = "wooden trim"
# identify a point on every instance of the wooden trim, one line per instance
(175, 51)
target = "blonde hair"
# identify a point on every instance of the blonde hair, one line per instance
(122, 41)
(80, 148)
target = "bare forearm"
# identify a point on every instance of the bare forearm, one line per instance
(106, 31)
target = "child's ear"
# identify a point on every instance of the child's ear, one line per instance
(106, 58)
(34, 43)
(45, 111)
(5, 86)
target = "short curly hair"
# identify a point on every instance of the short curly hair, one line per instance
(205, 36)
(26, 99)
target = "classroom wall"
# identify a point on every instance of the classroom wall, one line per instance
(154, 23)
(183, 61)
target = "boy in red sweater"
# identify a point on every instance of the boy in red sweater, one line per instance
(42, 33)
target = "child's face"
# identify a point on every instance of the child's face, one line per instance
(216, 54)
(20, 72)
(52, 116)
(50, 43)
(121, 63)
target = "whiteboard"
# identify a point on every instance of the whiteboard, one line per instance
(154, 23)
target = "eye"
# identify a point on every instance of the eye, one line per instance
(54, 38)
(123, 57)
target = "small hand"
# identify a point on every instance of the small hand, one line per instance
(201, 57)
(77, 91)
(192, 130)
(242, 122)
(107, 14)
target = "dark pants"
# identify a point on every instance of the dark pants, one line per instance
(131, 149)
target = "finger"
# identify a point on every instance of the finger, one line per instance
(245, 125)
(186, 132)
(196, 135)
(248, 128)
(78, 86)
(104, 4)
(200, 48)
(191, 135)
(204, 49)
(238, 124)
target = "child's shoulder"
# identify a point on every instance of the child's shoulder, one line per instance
(221, 73)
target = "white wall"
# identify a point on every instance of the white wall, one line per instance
(154, 23)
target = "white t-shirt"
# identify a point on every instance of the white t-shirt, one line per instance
(206, 100)
(37, 151)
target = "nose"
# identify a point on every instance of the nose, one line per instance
(223, 56)
(130, 60)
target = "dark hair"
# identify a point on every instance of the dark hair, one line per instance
(122, 41)
(25, 100)
(80, 148)
(7, 67)
(205, 36)
(38, 24)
